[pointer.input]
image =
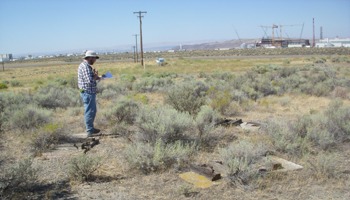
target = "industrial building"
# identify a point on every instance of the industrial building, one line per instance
(278, 41)
(336, 42)
(5, 57)
(269, 43)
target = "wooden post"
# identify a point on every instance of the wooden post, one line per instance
(3, 66)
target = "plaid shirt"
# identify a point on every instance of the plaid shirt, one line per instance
(86, 80)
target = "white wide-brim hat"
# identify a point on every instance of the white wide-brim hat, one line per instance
(91, 54)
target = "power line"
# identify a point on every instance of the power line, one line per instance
(141, 44)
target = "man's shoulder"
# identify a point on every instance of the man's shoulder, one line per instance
(83, 64)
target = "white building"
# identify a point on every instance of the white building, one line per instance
(5, 57)
(336, 42)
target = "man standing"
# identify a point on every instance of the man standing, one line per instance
(87, 77)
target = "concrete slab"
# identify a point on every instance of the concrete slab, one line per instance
(79, 135)
(286, 165)
(197, 180)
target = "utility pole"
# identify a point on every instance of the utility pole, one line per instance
(313, 32)
(141, 44)
(137, 53)
(134, 54)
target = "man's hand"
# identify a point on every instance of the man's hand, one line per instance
(96, 77)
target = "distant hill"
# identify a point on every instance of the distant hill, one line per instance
(231, 44)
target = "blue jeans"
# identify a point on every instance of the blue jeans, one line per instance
(89, 101)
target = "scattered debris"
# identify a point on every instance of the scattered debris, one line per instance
(229, 122)
(207, 171)
(88, 145)
(203, 176)
(219, 167)
(252, 126)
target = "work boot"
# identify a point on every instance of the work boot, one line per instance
(94, 133)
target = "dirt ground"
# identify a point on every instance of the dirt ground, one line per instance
(114, 181)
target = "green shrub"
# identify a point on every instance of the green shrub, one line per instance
(205, 122)
(162, 122)
(147, 74)
(341, 92)
(166, 74)
(151, 84)
(323, 130)
(338, 59)
(240, 158)
(320, 60)
(138, 97)
(46, 138)
(11, 103)
(28, 118)
(15, 83)
(324, 165)
(121, 129)
(82, 167)
(320, 136)
(250, 92)
(265, 87)
(127, 78)
(109, 94)
(61, 81)
(187, 97)
(2, 114)
(202, 75)
(219, 100)
(284, 139)
(53, 96)
(111, 91)
(232, 109)
(286, 62)
(158, 157)
(126, 81)
(239, 96)
(39, 82)
(124, 110)
(267, 80)
(3, 86)
(338, 117)
(75, 111)
(73, 82)
(225, 76)
(21, 176)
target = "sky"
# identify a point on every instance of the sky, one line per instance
(33, 26)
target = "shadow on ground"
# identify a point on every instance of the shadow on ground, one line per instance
(58, 190)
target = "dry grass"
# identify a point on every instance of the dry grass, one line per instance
(115, 179)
